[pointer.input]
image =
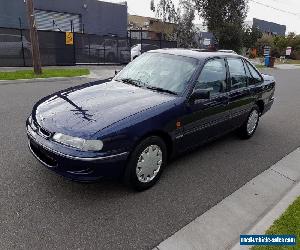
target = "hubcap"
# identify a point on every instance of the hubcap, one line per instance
(252, 121)
(149, 164)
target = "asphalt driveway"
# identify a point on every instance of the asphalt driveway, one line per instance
(40, 210)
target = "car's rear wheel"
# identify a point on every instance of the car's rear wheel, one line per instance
(249, 127)
(146, 163)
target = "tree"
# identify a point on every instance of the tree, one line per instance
(185, 30)
(225, 20)
(182, 18)
(152, 6)
(251, 36)
(265, 40)
(280, 43)
(165, 10)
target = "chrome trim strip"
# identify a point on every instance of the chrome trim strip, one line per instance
(79, 158)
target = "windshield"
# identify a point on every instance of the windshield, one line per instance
(160, 71)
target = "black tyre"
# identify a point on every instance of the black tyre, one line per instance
(248, 129)
(146, 163)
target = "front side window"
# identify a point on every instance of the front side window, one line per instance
(213, 77)
(238, 75)
(157, 70)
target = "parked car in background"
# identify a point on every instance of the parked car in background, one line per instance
(163, 103)
(227, 51)
(109, 50)
(11, 45)
(139, 49)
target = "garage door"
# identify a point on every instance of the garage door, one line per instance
(58, 21)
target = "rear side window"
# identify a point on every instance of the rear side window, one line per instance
(254, 73)
(237, 71)
(213, 76)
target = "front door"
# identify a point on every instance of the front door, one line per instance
(208, 118)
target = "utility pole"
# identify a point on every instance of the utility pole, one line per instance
(36, 58)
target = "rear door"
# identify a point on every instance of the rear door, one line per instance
(241, 97)
(209, 118)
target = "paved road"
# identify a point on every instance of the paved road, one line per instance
(40, 210)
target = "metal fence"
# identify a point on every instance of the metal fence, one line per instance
(15, 48)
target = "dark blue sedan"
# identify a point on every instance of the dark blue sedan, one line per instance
(163, 103)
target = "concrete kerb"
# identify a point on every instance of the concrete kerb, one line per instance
(221, 226)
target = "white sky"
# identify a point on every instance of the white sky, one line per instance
(142, 7)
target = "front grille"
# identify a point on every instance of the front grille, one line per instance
(43, 155)
(38, 129)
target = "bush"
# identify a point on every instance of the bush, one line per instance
(275, 52)
(295, 55)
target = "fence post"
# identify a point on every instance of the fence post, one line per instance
(160, 40)
(104, 58)
(21, 33)
(74, 48)
(118, 55)
(89, 46)
(141, 40)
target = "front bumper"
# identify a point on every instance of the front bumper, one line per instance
(74, 165)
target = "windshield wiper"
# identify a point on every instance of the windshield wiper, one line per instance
(131, 81)
(158, 89)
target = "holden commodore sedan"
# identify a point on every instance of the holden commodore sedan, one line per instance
(161, 104)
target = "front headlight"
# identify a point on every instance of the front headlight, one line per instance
(79, 143)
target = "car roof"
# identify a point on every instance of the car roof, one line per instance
(194, 53)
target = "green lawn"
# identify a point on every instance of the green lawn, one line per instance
(289, 61)
(47, 73)
(260, 66)
(288, 223)
(293, 61)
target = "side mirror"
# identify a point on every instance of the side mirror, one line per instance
(200, 94)
(117, 72)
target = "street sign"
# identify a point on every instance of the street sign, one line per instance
(288, 51)
(69, 38)
(267, 51)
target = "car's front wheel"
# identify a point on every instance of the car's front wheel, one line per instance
(249, 127)
(146, 163)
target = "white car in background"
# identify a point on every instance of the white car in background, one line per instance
(138, 49)
(115, 51)
(227, 51)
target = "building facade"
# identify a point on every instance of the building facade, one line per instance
(153, 28)
(88, 16)
(267, 27)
